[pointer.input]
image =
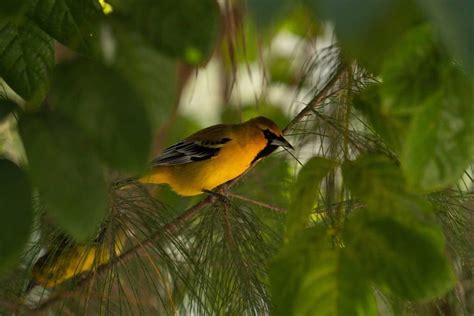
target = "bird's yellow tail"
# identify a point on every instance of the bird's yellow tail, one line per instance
(156, 176)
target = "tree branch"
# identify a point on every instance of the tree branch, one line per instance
(262, 204)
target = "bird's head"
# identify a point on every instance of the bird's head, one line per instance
(271, 132)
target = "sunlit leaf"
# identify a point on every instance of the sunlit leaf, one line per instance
(311, 277)
(66, 172)
(27, 58)
(108, 109)
(74, 23)
(16, 215)
(305, 193)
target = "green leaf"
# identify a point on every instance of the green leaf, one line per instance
(66, 171)
(453, 20)
(310, 277)
(412, 72)
(7, 107)
(75, 23)
(368, 29)
(404, 257)
(16, 216)
(11, 8)
(422, 82)
(440, 143)
(379, 182)
(179, 28)
(27, 58)
(397, 235)
(108, 109)
(151, 74)
(305, 193)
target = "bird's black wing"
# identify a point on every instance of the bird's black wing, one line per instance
(188, 151)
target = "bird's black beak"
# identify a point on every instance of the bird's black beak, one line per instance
(280, 141)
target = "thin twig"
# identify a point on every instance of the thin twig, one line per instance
(262, 204)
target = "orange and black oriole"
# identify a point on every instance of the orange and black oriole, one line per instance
(214, 155)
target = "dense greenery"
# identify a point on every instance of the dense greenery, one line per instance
(372, 213)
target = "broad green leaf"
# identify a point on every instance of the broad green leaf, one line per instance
(453, 20)
(27, 58)
(438, 98)
(16, 215)
(108, 109)
(66, 171)
(311, 277)
(403, 257)
(440, 141)
(75, 23)
(186, 29)
(397, 235)
(367, 29)
(412, 72)
(7, 107)
(11, 8)
(151, 74)
(305, 193)
(380, 184)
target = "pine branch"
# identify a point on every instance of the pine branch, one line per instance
(318, 98)
(127, 255)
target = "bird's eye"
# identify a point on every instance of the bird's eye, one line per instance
(268, 134)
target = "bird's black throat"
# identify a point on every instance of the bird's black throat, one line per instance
(265, 151)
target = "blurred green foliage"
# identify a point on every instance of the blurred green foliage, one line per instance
(391, 145)
(66, 171)
(94, 97)
(15, 226)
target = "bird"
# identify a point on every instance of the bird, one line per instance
(69, 259)
(213, 156)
